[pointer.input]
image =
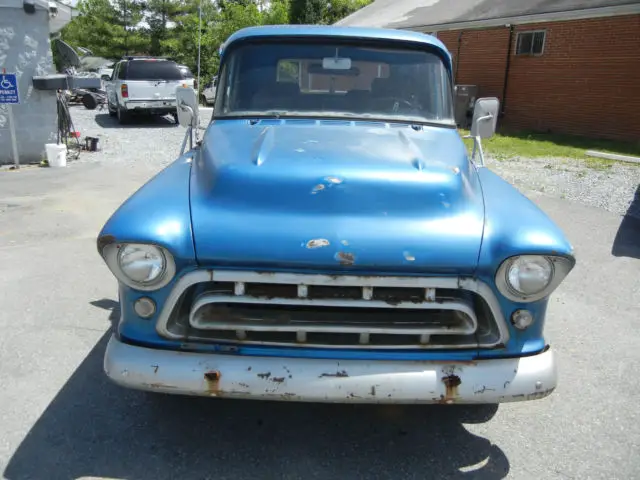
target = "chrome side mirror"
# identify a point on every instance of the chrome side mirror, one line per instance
(188, 115)
(485, 117)
(483, 124)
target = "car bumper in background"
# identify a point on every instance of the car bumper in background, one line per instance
(319, 380)
(166, 106)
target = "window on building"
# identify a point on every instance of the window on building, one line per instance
(530, 43)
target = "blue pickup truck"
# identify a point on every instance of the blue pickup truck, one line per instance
(330, 239)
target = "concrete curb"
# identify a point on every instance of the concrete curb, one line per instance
(612, 156)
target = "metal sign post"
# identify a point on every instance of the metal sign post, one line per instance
(9, 95)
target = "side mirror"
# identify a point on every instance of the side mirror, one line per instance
(485, 117)
(187, 103)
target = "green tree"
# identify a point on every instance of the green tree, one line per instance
(338, 9)
(307, 12)
(158, 14)
(108, 29)
(323, 11)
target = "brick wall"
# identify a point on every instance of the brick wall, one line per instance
(587, 81)
(481, 58)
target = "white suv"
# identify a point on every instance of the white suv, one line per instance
(144, 85)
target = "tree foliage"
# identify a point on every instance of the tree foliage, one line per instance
(113, 28)
(308, 12)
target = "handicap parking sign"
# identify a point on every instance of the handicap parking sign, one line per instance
(9, 88)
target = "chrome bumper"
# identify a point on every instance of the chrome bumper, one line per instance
(320, 380)
(150, 104)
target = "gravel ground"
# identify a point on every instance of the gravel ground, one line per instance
(606, 185)
(156, 142)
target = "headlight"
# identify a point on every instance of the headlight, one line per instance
(527, 278)
(141, 263)
(140, 266)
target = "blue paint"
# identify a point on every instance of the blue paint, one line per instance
(388, 198)
(158, 213)
(9, 89)
(261, 193)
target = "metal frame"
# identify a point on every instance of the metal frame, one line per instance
(197, 321)
(477, 147)
(202, 276)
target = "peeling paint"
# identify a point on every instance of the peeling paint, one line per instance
(318, 243)
(317, 188)
(338, 374)
(480, 389)
(264, 375)
(334, 180)
(408, 257)
(277, 379)
(345, 243)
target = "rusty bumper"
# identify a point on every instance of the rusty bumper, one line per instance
(320, 380)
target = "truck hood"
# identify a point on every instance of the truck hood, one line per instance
(335, 196)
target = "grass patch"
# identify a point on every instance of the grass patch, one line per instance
(533, 145)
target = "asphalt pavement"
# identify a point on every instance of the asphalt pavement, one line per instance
(60, 418)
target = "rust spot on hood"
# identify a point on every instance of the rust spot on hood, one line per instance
(346, 258)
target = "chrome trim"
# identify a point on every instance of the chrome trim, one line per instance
(200, 276)
(211, 298)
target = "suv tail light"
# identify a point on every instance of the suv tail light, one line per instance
(125, 90)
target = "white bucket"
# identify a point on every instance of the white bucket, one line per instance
(56, 154)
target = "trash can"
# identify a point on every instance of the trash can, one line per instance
(465, 98)
(56, 154)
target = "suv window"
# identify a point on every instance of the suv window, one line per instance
(153, 70)
(186, 73)
(121, 70)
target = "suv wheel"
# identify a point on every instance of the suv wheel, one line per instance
(123, 116)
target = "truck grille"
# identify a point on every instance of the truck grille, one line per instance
(340, 312)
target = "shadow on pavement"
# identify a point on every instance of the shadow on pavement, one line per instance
(627, 241)
(136, 121)
(94, 428)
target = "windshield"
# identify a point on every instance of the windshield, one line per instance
(321, 80)
(153, 70)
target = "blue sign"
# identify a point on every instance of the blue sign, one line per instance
(9, 88)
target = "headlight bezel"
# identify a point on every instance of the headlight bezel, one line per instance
(560, 268)
(111, 255)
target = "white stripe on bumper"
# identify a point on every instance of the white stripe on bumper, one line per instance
(324, 380)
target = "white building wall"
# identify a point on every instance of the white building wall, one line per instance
(25, 50)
